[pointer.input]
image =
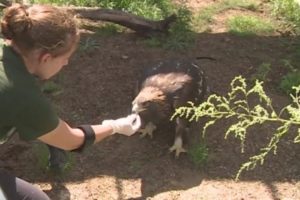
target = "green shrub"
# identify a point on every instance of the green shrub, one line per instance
(289, 80)
(198, 154)
(262, 72)
(235, 105)
(41, 153)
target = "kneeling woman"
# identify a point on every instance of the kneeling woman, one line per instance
(38, 42)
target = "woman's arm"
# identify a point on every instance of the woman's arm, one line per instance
(68, 138)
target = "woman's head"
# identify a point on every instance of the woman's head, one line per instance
(40, 28)
(48, 28)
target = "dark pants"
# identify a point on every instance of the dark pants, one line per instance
(13, 188)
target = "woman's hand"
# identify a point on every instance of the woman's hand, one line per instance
(126, 126)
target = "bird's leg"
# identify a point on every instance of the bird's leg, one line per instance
(148, 130)
(178, 143)
(177, 146)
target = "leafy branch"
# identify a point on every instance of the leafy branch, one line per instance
(236, 105)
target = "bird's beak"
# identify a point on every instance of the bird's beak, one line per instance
(136, 108)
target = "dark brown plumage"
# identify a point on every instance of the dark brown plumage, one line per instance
(163, 88)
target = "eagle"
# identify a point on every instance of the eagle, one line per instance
(163, 87)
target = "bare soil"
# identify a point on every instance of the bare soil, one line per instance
(99, 84)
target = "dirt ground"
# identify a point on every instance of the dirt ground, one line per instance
(98, 84)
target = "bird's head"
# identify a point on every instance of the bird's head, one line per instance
(146, 98)
(149, 103)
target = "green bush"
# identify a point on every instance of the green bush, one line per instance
(235, 105)
(41, 152)
(261, 72)
(198, 154)
(289, 80)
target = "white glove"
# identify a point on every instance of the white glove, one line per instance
(126, 126)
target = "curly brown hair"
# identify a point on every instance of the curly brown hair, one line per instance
(44, 27)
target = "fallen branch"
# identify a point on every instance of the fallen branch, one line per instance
(134, 22)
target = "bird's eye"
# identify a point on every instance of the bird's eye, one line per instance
(160, 95)
(145, 104)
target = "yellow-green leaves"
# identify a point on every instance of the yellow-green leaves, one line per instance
(245, 114)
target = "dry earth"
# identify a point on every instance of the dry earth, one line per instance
(98, 84)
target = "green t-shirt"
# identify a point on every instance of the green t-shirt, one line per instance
(22, 104)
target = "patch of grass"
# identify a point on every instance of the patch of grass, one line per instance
(198, 154)
(41, 152)
(88, 44)
(295, 55)
(152, 9)
(289, 9)
(262, 72)
(296, 52)
(153, 42)
(180, 34)
(205, 16)
(249, 25)
(288, 13)
(107, 29)
(289, 80)
(292, 77)
(288, 64)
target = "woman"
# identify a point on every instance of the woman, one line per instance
(39, 41)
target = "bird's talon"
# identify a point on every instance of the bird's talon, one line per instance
(177, 150)
(148, 130)
(144, 133)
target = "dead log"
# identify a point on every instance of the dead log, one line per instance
(131, 21)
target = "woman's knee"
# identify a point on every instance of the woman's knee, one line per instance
(14, 188)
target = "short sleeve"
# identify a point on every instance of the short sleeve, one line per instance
(35, 117)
